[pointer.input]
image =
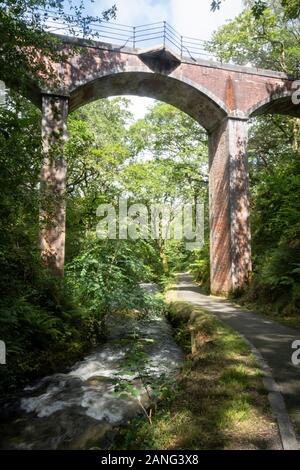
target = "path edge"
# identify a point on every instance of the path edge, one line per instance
(277, 404)
(276, 401)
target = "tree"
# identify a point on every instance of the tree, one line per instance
(178, 144)
(22, 33)
(47, 322)
(96, 153)
(170, 167)
(291, 7)
(272, 41)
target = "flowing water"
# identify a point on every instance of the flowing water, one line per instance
(83, 407)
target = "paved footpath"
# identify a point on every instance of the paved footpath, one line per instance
(272, 340)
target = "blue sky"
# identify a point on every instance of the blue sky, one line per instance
(189, 17)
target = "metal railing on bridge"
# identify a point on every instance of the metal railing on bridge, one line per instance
(141, 36)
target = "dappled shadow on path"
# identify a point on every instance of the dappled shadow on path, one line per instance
(271, 339)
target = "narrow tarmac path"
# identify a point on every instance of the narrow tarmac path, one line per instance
(272, 340)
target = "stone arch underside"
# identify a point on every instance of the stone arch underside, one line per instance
(200, 91)
(280, 103)
(196, 102)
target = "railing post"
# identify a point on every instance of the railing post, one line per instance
(164, 43)
(133, 40)
(181, 47)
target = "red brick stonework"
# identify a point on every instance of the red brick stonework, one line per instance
(219, 97)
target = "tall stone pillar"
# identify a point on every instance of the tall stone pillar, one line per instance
(230, 248)
(53, 181)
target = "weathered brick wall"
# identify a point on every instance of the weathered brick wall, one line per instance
(220, 97)
(236, 89)
(233, 89)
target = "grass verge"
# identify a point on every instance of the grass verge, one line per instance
(219, 401)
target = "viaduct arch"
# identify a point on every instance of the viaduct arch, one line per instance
(221, 98)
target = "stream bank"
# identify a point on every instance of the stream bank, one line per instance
(84, 407)
(219, 401)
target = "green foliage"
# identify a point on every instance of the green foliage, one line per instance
(259, 8)
(44, 321)
(162, 158)
(106, 275)
(170, 166)
(270, 41)
(276, 234)
(105, 161)
(217, 398)
(200, 266)
(21, 33)
(291, 8)
(39, 322)
(42, 329)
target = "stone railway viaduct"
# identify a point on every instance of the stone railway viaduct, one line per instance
(221, 98)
